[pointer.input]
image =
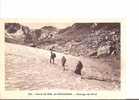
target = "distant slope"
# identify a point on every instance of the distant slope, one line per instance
(28, 68)
(79, 39)
(87, 38)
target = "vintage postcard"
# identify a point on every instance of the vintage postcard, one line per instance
(82, 58)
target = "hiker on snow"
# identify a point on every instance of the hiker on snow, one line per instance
(53, 56)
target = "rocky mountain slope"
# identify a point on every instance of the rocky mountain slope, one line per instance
(80, 39)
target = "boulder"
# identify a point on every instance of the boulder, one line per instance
(12, 27)
(104, 50)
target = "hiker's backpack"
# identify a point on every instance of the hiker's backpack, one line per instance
(54, 55)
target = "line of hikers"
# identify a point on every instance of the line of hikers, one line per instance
(79, 65)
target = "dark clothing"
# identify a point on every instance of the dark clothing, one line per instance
(52, 57)
(79, 68)
(63, 61)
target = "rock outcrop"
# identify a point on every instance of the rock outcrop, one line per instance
(80, 39)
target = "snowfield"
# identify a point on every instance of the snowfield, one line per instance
(28, 68)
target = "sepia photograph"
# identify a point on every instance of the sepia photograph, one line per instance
(69, 49)
(81, 56)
